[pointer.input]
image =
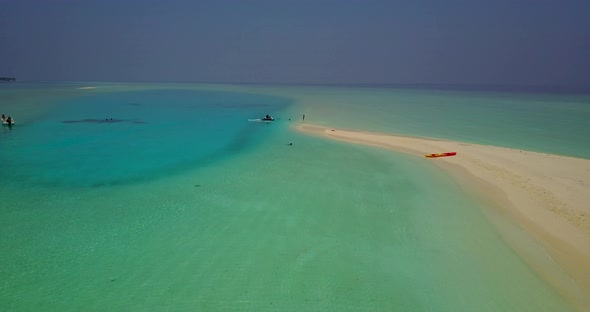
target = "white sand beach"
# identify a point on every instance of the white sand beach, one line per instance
(544, 197)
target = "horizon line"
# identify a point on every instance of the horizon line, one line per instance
(470, 86)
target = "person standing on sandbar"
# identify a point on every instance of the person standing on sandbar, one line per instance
(304, 117)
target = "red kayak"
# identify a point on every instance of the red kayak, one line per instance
(441, 155)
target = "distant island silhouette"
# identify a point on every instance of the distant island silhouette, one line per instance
(7, 79)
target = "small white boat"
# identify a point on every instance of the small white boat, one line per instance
(266, 118)
(260, 120)
(5, 122)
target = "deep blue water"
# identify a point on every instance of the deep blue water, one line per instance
(124, 137)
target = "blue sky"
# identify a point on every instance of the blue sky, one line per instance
(508, 42)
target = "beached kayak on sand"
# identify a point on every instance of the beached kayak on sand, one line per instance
(441, 154)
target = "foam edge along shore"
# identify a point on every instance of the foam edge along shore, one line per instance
(534, 199)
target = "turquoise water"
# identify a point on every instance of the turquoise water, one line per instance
(127, 136)
(164, 209)
(554, 124)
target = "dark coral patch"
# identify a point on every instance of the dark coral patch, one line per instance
(90, 120)
(109, 120)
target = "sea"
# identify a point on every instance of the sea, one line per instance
(174, 197)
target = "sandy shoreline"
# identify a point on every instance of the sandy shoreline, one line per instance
(545, 197)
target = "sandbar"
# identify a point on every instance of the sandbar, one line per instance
(543, 196)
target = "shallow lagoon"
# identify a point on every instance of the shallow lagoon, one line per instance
(244, 221)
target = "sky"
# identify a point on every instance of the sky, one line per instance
(498, 42)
